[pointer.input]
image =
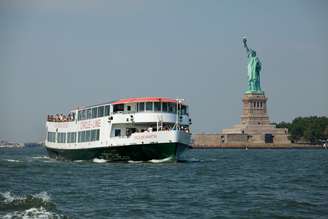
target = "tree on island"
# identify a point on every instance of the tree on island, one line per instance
(312, 129)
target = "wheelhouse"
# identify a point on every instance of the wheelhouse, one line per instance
(160, 105)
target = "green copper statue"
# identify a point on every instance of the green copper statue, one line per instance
(254, 68)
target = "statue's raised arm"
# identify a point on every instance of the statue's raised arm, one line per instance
(245, 45)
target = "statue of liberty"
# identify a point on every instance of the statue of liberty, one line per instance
(254, 67)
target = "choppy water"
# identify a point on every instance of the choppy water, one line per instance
(211, 183)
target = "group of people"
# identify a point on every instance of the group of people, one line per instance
(61, 117)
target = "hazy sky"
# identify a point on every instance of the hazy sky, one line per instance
(55, 55)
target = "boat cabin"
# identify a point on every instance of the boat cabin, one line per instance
(121, 118)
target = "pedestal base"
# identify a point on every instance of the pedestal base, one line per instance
(255, 126)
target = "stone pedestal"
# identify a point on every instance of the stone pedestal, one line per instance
(255, 126)
(255, 110)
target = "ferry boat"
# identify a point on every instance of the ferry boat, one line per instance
(136, 129)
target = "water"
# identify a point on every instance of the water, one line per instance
(212, 183)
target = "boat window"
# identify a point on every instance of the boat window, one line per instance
(184, 110)
(118, 108)
(93, 135)
(73, 137)
(157, 106)
(94, 112)
(89, 113)
(172, 108)
(88, 135)
(79, 136)
(141, 107)
(107, 110)
(101, 111)
(149, 106)
(117, 132)
(84, 115)
(128, 108)
(79, 115)
(164, 107)
(68, 137)
(64, 137)
(58, 137)
(83, 136)
(97, 134)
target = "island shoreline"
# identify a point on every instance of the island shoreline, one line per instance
(258, 146)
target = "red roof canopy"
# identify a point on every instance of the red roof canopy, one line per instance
(144, 99)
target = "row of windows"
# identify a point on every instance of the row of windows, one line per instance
(90, 135)
(158, 107)
(257, 104)
(84, 136)
(101, 111)
(94, 112)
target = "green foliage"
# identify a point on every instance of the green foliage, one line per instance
(309, 129)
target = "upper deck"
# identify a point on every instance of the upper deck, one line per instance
(125, 106)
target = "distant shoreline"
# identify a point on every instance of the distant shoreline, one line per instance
(19, 145)
(258, 146)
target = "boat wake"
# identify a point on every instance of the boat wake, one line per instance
(44, 159)
(135, 161)
(168, 159)
(30, 206)
(41, 158)
(97, 160)
(78, 161)
(12, 160)
(32, 213)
